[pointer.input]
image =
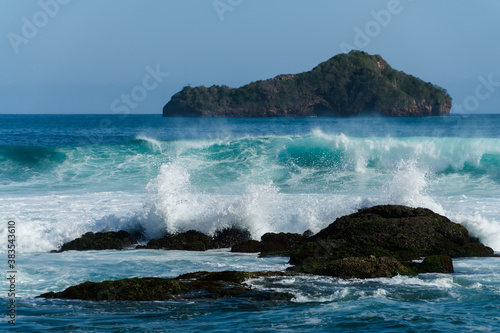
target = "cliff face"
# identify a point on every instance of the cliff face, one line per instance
(346, 85)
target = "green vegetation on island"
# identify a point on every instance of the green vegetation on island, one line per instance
(345, 85)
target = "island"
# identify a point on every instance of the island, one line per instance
(346, 85)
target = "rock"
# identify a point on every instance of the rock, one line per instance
(271, 244)
(434, 264)
(189, 241)
(359, 267)
(249, 246)
(308, 233)
(196, 241)
(110, 240)
(228, 237)
(198, 285)
(286, 240)
(345, 85)
(400, 232)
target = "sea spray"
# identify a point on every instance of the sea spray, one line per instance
(263, 183)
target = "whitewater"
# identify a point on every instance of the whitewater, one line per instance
(63, 176)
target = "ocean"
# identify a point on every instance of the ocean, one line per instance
(64, 175)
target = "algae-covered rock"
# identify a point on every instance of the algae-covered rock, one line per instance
(271, 244)
(227, 237)
(249, 246)
(193, 240)
(198, 285)
(400, 232)
(434, 264)
(358, 267)
(189, 241)
(110, 240)
(382, 241)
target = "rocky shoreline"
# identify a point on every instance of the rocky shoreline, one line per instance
(381, 241)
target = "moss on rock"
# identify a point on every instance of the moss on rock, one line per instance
(101, 241)
(187, 286)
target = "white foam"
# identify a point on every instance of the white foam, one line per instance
(176, 205)
(486, 229)
(185, 190)
(337, 295)
(442, 281)
(44, 223)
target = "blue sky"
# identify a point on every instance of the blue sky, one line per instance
(131, 56)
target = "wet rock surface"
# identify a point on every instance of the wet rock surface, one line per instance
(400, 232)
(271, 244)
(110, 240)
(197, 285)
(381, 241)
(196, 241)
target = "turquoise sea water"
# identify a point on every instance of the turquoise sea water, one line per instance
(62, 176)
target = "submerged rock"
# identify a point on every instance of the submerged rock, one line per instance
(111, 240)
(196, 285)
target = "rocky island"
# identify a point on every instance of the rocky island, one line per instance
(345, 85)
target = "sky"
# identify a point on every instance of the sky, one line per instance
(131, 56)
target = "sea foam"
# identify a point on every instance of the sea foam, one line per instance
(263, 184)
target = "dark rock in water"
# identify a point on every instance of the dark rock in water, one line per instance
(308, 233)
(249, 246)
(189, 241)
(474, 250)
(110, 240)
(434, 264)
(228, 237)
(286, 240)
(356, 267)
(271, 244)
(381, 241)
(196, 241)
(345, 85)
(400, 232)
(198, 285)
